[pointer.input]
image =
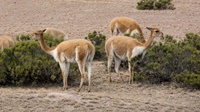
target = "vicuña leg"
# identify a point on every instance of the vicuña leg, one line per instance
(130, 71)
(132, 77)
(110, 59)
(65, 71)
(117, 64)
(66, 74)
(82, 71)
(89, 66)
(116, 31)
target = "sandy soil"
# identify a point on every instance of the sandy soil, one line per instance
(77, 18)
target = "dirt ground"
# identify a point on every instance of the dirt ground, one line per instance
(77, 18)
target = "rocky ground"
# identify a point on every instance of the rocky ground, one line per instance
(77, 18)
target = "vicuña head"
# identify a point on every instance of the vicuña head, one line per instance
(125, 25)
(126, 48)
(76, 50)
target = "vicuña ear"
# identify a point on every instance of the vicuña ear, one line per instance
(149, 28)
(44, 30)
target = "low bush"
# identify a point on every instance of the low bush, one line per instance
(171, 57)
(155, 5)
(98, 40)
(187, 79)
(27, 64)
(23, 37)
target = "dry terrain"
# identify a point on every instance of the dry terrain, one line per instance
(77, 18)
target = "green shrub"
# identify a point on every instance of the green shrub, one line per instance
(23, 37)
(187, 79)
(27, 64)
(51, 41)
(98, 40)
(169, 58)
(155, 5)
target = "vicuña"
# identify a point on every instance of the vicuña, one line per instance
(126, 48)
(56, 33)
(125, 25)
(77, 50)
(6, 41)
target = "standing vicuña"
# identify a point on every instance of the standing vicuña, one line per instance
(125, 25)
(122, 48)
(77, 50)
(6, 41)
(56, 33)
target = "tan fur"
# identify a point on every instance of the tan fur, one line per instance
(125, 23)
(79, 50)
(6, 41)
(68, 47)
(56, 33)
(122, 47)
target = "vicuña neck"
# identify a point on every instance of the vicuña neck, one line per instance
(141, 35)
(147, 44)
(43, 45)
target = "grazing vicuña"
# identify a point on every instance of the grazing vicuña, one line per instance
(125, 25)
(56, 33)
(123, 48)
